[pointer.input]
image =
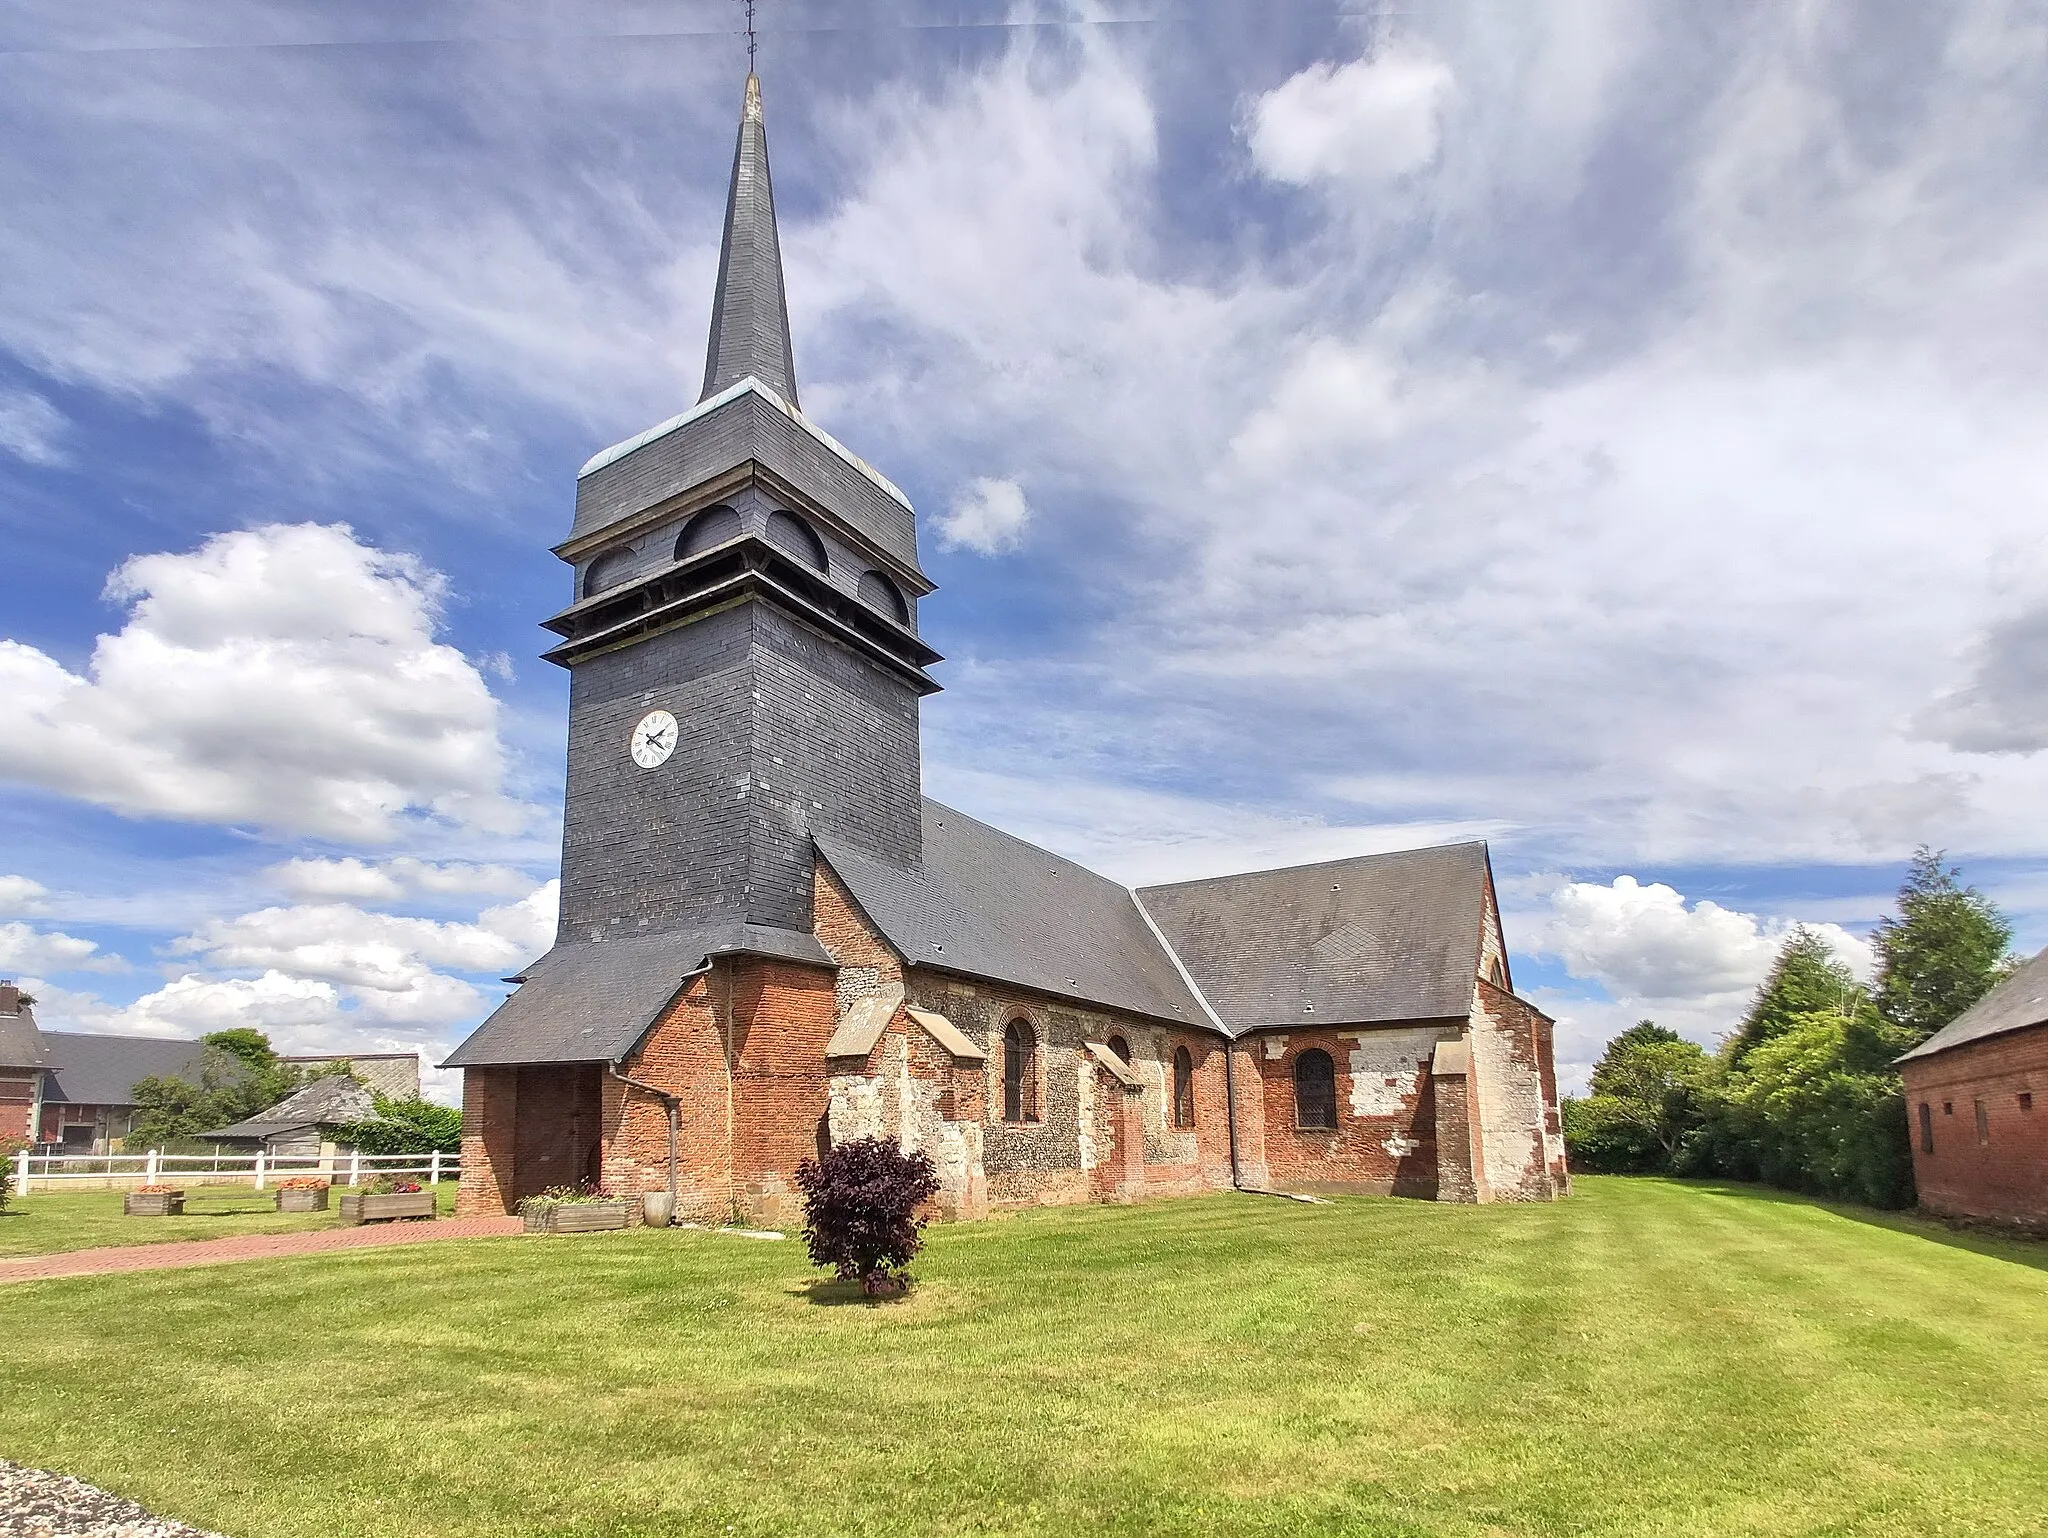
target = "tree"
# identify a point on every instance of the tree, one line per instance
(1817, 1107)
(1944, 951)
(1804, 979)
(405, 1126)
(238, 1076)
(1647, 1090)
(860, 1209)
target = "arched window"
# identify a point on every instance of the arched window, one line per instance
(708, 530)
(878, 592)
(796, 539)
(1496, 973)
(1315, 1091)
(1020, 1072)
(1121, 1048)
(607, 571)
(1183, 1088)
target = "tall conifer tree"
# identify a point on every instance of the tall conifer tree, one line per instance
(1805, 979)
(1942, 953)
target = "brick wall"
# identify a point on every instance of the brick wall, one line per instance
(1516, 1083)
(525, 1129)
(1998, 1170)
(17, 1106)
(1385, 1139)
(685, 1055)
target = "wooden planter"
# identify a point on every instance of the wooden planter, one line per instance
(302, 1199)
(382, 1209)
(579, 1217)
(153, 1204)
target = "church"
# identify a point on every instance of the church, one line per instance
(770, 941)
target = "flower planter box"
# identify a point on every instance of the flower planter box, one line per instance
(304, 1199)
(579, 1217)
(382, 1209)
(153, 1204)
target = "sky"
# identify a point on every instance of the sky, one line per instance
(1612, 430)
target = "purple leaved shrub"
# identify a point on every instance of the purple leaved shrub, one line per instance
(860, 1210)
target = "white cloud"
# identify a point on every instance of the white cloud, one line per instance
(283, 677)
(1642, 942)
(32, 951)
(19, 895)
(392, 968)
(388, 880)
(31, 428)
(1373, 119)
(285, 1008)
(989, 517)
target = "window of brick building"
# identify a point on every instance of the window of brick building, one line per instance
(1315, 1091)
(1121, 1048)
(1020, 1072)
(2026, 1100)
(1983, 1123)
(1926, 1128)
(1183, 1088)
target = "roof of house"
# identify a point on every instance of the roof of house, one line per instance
(93, 1069)
(22, 1045)
(1379, 937)
(592, 1001)
(989, 905)
(2018, 1002)
(330, 1100)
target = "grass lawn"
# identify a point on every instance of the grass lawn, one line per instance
(44, 1223)
(1650, 1357)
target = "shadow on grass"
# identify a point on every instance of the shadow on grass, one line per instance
(1985, 1240)
(831, 1292)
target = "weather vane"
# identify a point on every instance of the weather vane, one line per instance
(750, 36)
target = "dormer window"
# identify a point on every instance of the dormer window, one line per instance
(707, 531)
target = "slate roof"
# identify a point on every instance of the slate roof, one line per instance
(989, 905)
(92, 1069)
(592, 1001)
(22, 1045)
(749, 316)
(2018, 1002)
(1379, 937)
(327, 1101)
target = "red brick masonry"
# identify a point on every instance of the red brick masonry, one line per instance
(1996, 1166)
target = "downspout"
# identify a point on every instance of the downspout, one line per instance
(671, 1104)
(1230, 1108)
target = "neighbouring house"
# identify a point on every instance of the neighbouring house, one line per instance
(24, 1066)
(1977, 1105)
(302, 1124)
(771, 941)
(89, 1104)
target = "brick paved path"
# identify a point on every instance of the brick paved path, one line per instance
(210, 1252)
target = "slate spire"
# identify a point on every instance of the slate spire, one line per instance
(749, 317)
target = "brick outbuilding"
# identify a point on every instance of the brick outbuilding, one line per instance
(771, 941)
(1977, 1105)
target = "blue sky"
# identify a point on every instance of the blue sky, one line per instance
(1613, 430)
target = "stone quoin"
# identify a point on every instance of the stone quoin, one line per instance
(771, 941)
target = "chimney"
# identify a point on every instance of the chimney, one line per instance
(10, 999)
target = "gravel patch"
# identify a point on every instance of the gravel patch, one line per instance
(35, 1504)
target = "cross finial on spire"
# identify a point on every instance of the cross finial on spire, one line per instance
(750, 36)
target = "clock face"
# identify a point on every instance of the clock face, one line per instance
(654, 739)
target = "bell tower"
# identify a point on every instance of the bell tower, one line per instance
(743, 648)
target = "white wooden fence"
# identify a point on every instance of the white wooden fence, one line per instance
(113, 1171)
